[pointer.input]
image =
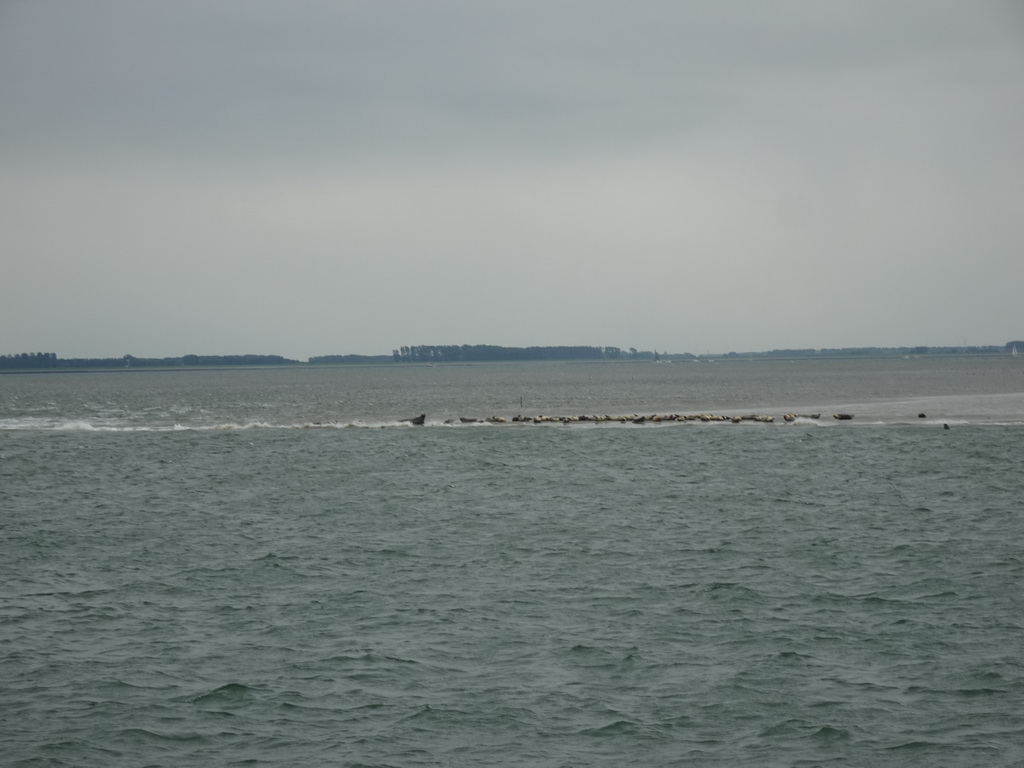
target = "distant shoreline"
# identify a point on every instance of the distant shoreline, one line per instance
(50, 363)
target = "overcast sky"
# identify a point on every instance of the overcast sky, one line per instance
(320, 177)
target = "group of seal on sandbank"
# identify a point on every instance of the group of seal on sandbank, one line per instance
(633, 418)
(630, 419)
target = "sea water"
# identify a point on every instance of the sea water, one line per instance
(268, 567)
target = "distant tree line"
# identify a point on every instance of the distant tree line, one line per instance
(29, 360)
(878, 351)
(350, 359)
(237, 360)
(427, 353)
(50, 361)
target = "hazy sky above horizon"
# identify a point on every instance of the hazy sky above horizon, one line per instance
(314, 177)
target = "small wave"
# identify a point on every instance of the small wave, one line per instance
(784, 728)
(227, 692)
(148, 735)
(879, 600)
(432, 715)
(116, 685)
(828, 733)
(973, 692)
(731, 591)
(914, 746)
(617, 728)
(793, 655)
(589, 651)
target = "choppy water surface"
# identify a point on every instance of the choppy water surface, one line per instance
(193, 576)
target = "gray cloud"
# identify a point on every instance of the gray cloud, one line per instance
(317, 177)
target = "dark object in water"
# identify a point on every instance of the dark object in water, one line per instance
(921, 416)
(945, 426)
(416, 421)
(842, 416)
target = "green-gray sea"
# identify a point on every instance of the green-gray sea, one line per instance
(267, 567)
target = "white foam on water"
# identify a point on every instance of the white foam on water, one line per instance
(77, 426)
